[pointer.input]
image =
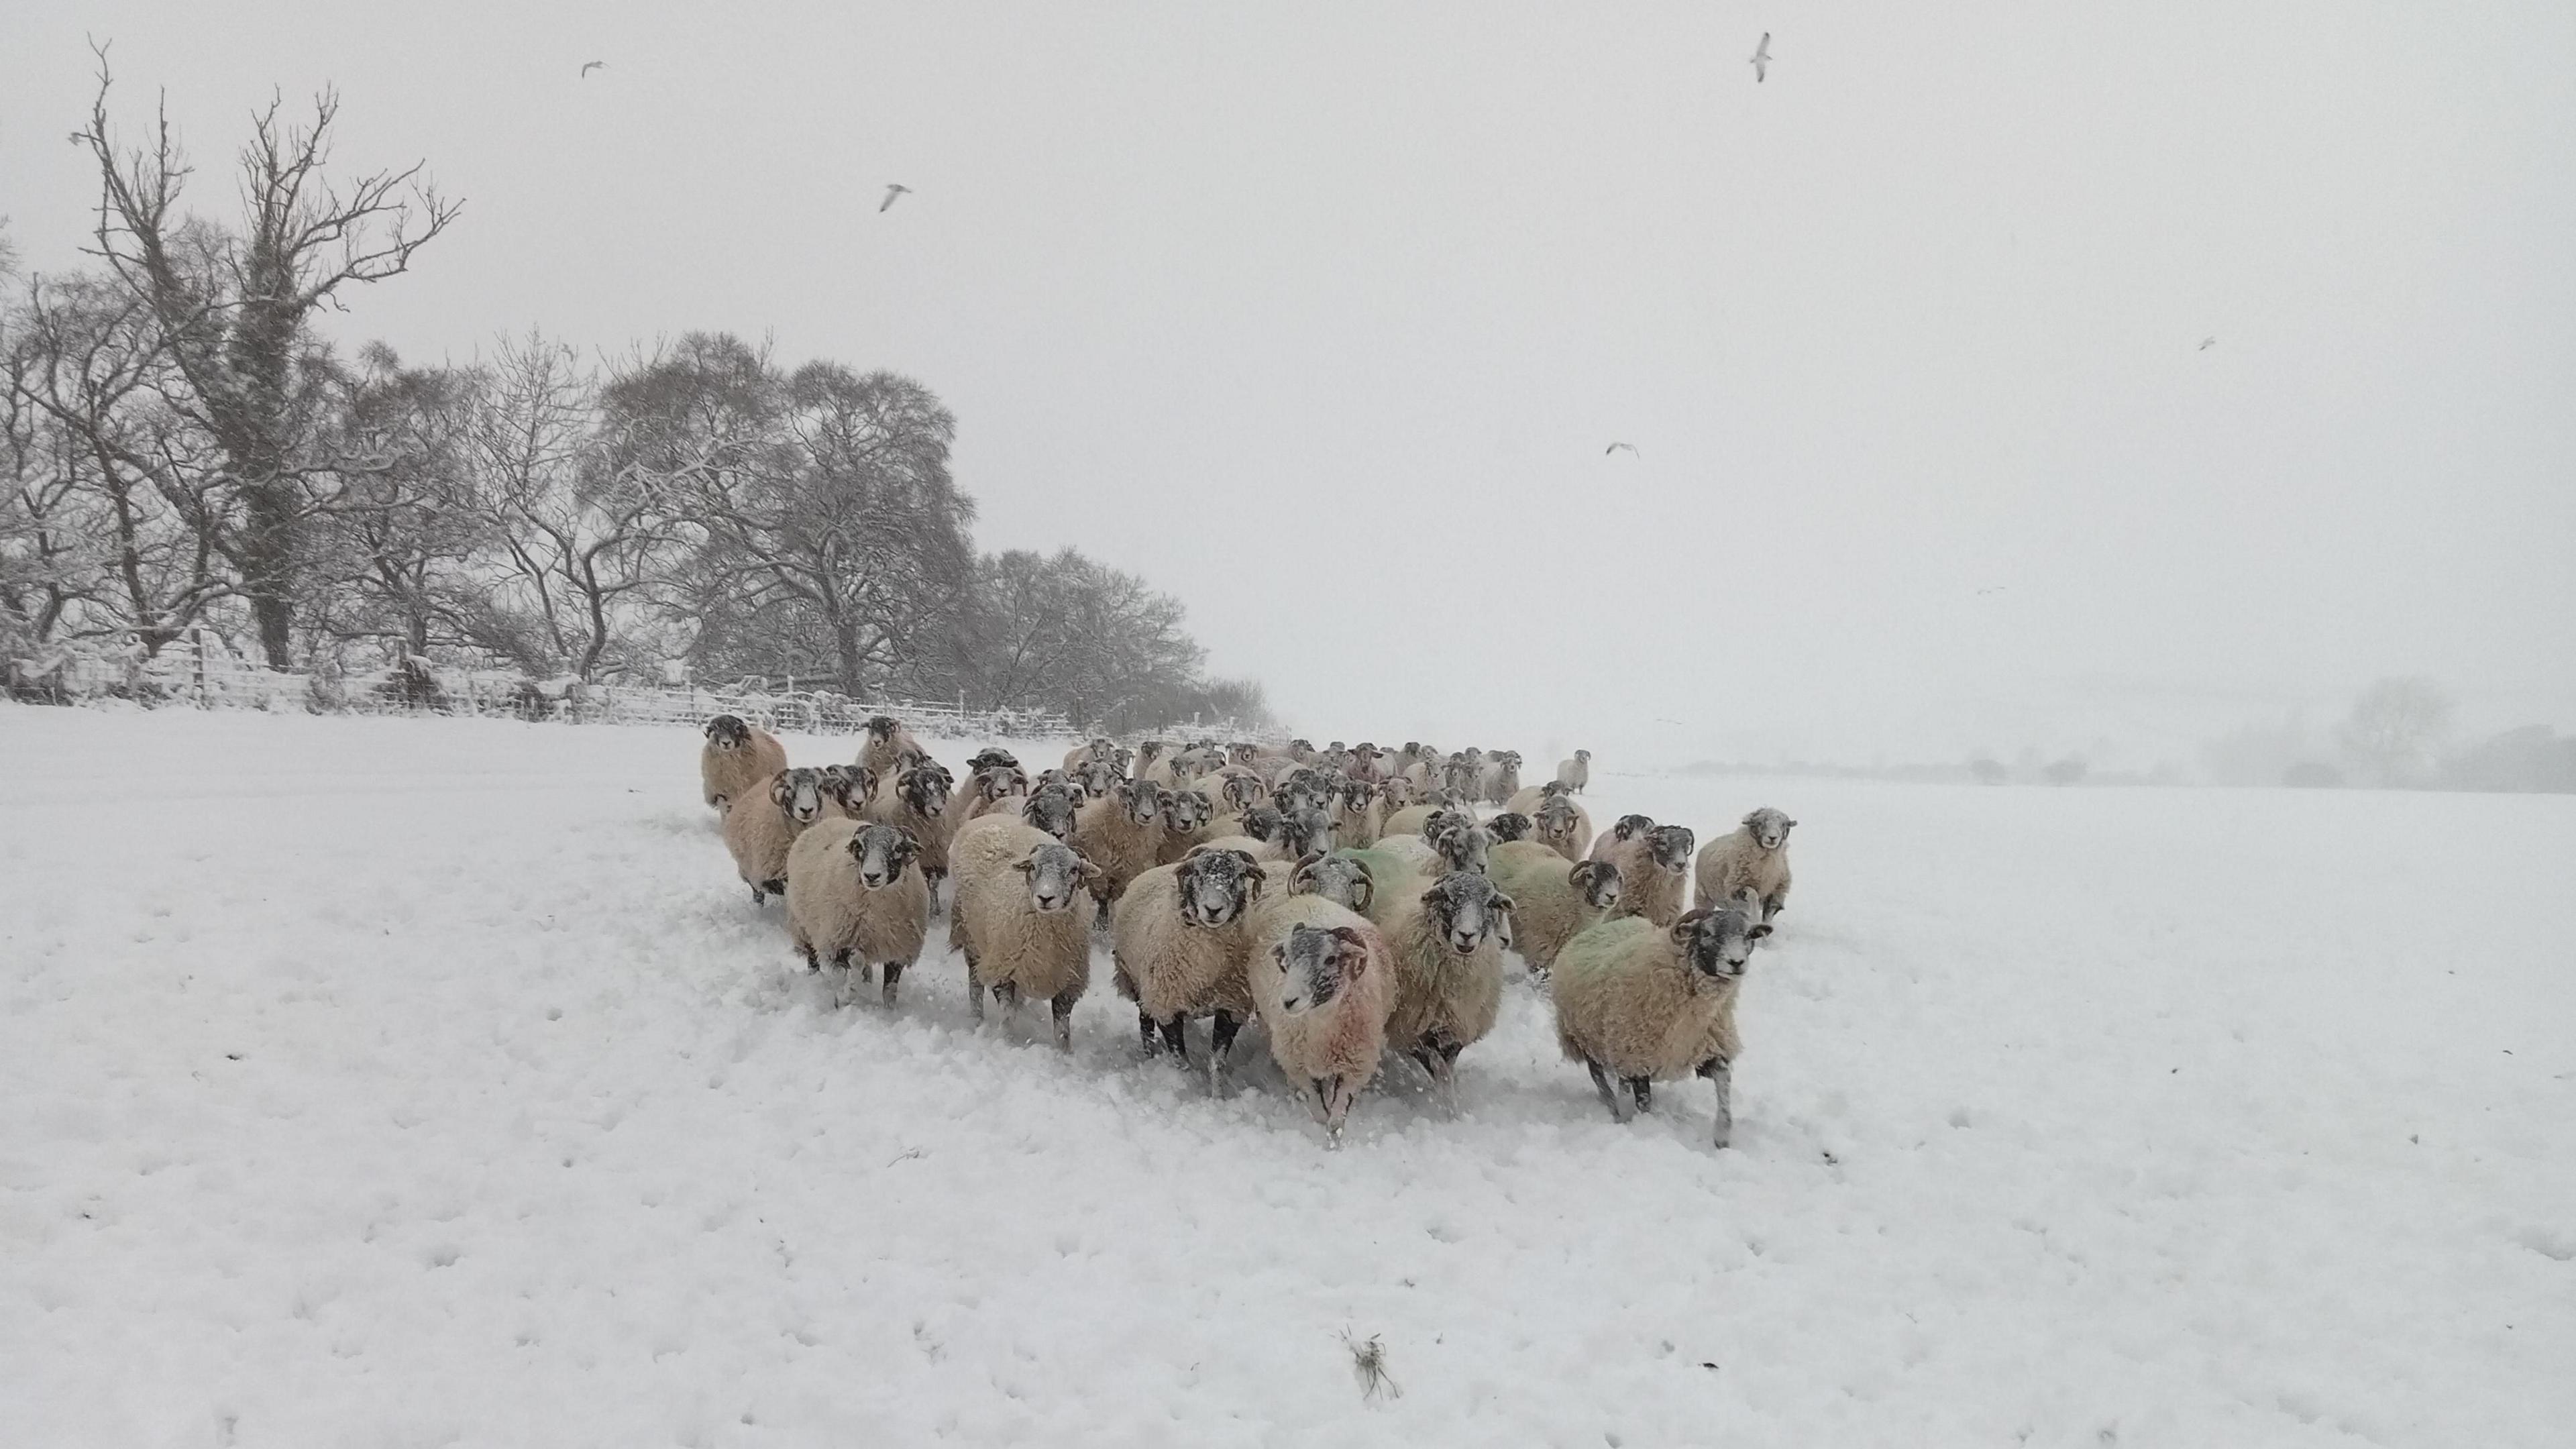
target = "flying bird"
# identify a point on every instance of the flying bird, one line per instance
(1615, 447)
(1993, 589)
(892, 191)
(2207, 343)
(589, 66)
(1762, 58)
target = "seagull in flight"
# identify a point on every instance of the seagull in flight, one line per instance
(1993, 589)
(1615, 447)
(893, 191)
(1762, 58)
(2207, 343)
(590, 66)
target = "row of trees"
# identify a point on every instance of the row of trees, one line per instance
(2398, 734)
(180, 449)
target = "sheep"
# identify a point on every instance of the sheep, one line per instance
(847, 788)
(1653, 870)
(1562, 826)
(1341, 877)
(737, 757)
(1323, 982)
(854, 892)
(1458, 839)
(1577, 772)
(886, 745)
(990, 789)
(1234, 789)
(916, 799)
(1022, 919)
(1099, 747)
(990, 756)
(1556, 900)
(1260, 822)
(1051, 807)
(1148, 751)
(1303, 830)
(1178, 937)
(1753, 857)
(1096, 777)
(1412, 818)
(1121, 832)
(1448, 942)
(1509, 826)
(1186, 813)
(1500, 778)
(1528, 798)
(1301, 788)
(1646, 1003)
(1355, 812)
(1464, 772)
(1625, 828)
(760, 825)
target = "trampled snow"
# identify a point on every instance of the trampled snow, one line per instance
(415, 1082)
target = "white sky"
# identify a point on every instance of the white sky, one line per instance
(1320, 318)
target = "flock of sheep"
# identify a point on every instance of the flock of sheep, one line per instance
(1349, 899)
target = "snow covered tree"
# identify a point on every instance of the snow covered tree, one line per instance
(2395, 727)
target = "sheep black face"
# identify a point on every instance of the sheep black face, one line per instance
(991, 758)
(1768, 827)
(925, 789)
(1629, 827)
(1216, 886)
(849, 786)
(1356, 796)
(1264, 824)
(1242, 792)
(1557, 818)
(1301, 749)
(1583, 757)
(1141, 799)
(1097, 777)
(882, 728)
(1337, 878)
(1554, 789)
(882, 851)
(728, 732)
(1717, 943)
(1051, 809)
(994, 782)
(798, 794)
(1306, 830)
(1242, 752)
(1055, 872)
(1314, 962)
(1187, 810)
(1598, 882)
(1670, 846)
(1510, 825)
(1466, 909)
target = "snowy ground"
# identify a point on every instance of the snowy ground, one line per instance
(396, 1082)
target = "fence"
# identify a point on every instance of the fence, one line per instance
(200, 672)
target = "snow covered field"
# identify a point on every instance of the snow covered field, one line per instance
(394, 1082)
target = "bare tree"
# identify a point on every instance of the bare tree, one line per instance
(233, 309)
(2394, 728)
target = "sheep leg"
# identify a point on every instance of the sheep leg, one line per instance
(1644, 1088)
(974, 992)
(776, 887)
(1609, 1095)
(893, 974)
(758, 895)
(1006, 1000)
(1145, 1028)
(1319, 1102)
(1062, 1005)
(1174, 1041)
(813, 963)
(1722, 1072)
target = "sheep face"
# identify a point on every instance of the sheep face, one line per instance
(1554, 789)
(924, 788)
(991, 758)
(1301, 750)
(1098, 776)
(1314, 963)
(1466, 848)
(1241, 792)
(882, 728)
(1051, 809)
(1768, 827)
(882, 852)
(1510, 825)
(1465, 908)
(1397, 791)
(1141, 799)
(1670, 847)
(1216, 886)
(1629, 827)
(1264, 824)
(994, 782)
(1055, 872)
(1583, 757)
(798, 794)
(1187, 810)
(1242, 752)
(1557, 818)
(1337, 878)
(728, 732)
(1306, 830)
(1598, 883)
(849, 786)
(1716, 944)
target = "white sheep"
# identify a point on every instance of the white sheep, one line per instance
(1500, 777)
(1121, 832)
(887, 746)
(1448, 942)
(1178, 938)
(737, 757)
(761, 825)
(1323, 981)
(1654, 872)
(1556, 900)
(1186, 812)
(1644, 1003)
(855, 893)
(1753, 857)
(1575, 773)
(1562, 826)
(1022, 918)
(1051, 806)
(990, 788)
(916, 800)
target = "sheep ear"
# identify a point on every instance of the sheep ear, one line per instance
(1358, 960)
(1756, 933)
(1793, 823)
(1026, 866)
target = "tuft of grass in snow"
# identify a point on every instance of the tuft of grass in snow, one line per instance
(1368, 1360)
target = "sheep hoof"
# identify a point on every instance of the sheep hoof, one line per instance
(1644, 1089)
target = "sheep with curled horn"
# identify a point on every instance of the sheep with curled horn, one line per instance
(761, 826)
(1575, 773)
(1562, 826)
(1654, 872)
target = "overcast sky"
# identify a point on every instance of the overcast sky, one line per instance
(1321, 318)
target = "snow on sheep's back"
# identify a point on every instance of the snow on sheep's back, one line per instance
(425, 1081)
